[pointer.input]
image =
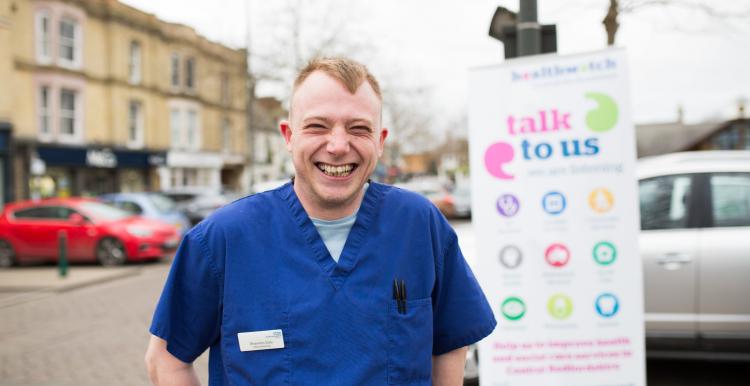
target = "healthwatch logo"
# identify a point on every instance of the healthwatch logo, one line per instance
(600, 119)
(552, 72)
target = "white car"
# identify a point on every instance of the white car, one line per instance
(695, 246)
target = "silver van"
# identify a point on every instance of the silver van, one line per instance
(695, 245)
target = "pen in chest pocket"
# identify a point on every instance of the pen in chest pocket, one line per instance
(399, 294)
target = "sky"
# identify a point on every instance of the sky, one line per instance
(677, 57)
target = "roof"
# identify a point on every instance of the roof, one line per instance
(703, 161)
(660, 138)
(53, 201)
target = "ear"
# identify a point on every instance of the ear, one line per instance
(286, 132)
(381, 141)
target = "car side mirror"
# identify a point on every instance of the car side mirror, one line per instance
(76, 219)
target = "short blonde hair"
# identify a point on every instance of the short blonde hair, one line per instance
(349, 72)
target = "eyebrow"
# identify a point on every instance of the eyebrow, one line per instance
(329, 121)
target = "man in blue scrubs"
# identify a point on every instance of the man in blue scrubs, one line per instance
(329, 279)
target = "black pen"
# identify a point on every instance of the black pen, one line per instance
(403, 293)
(396, 295)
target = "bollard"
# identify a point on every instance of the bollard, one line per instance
(62, 257)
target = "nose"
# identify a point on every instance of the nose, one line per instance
(338, 141)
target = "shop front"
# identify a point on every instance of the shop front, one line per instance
(62, 171)
(192, 170)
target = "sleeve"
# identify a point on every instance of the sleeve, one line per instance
(461, 313)
(188, 315)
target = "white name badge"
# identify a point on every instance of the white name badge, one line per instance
(261, 340)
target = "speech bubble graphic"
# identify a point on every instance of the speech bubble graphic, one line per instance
(604, 117)
(513, 308)
(496, 156)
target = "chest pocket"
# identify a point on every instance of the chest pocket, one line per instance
(410, 342)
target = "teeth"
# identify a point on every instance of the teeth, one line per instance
(336, 171)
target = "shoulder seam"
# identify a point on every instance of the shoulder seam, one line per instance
(207, 252)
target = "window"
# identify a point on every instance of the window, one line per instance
(40, 212)
(44, 111)
(68, 38)
(190, 73)
(43, 37)
(747, 138)
(174, 123)
(135, 124)
(175, 70)
(129, 206)
(226, 135)
(728, 139)
(192, 129)
(224, 89)
(665, 202)
(45, 212)
(730, 199)
(134, 63)
(68, 102)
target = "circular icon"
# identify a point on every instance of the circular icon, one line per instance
(513, 308)
(553, 203)
(560, 306)
(508, 205)
(557, 255)
(511, 257)
(607, 305)
(601, 200)
(604, 253)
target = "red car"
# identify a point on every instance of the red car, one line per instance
(95, 231)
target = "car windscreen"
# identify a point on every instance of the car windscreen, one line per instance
(103, 212)
(162, 203)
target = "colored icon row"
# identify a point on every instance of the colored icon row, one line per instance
(600, 200)
(558, 255)
(560, 306)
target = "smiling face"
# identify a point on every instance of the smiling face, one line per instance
(335, 140)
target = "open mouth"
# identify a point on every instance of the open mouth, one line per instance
(336, 170)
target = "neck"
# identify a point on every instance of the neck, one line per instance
(328, 210)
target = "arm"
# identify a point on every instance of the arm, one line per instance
(166, 370)
(448, 368)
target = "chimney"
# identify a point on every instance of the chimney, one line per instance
(741, 107)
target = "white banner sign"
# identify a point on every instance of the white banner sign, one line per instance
(555, 210)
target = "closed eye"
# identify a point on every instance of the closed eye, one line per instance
(314, 126)
(361, 129)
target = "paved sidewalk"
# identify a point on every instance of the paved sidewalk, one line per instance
(91, 336)
(20, 284)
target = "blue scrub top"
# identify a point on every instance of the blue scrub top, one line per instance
(259, 264)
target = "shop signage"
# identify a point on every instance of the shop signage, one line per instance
(101, 158)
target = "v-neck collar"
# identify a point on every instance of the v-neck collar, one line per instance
(337, 273)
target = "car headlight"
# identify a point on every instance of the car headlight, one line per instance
(139, 231)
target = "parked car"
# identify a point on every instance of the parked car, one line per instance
(198, 203)
(95, 231)
(695, 246)
(151, 205)
(433, 190)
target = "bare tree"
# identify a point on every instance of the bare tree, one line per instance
(617, 8)
(295, 31)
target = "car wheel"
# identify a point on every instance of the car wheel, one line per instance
(7, 255)
(111, 252)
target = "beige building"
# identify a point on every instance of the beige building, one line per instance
(104, 97)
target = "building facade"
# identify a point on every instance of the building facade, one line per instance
(108, 98)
